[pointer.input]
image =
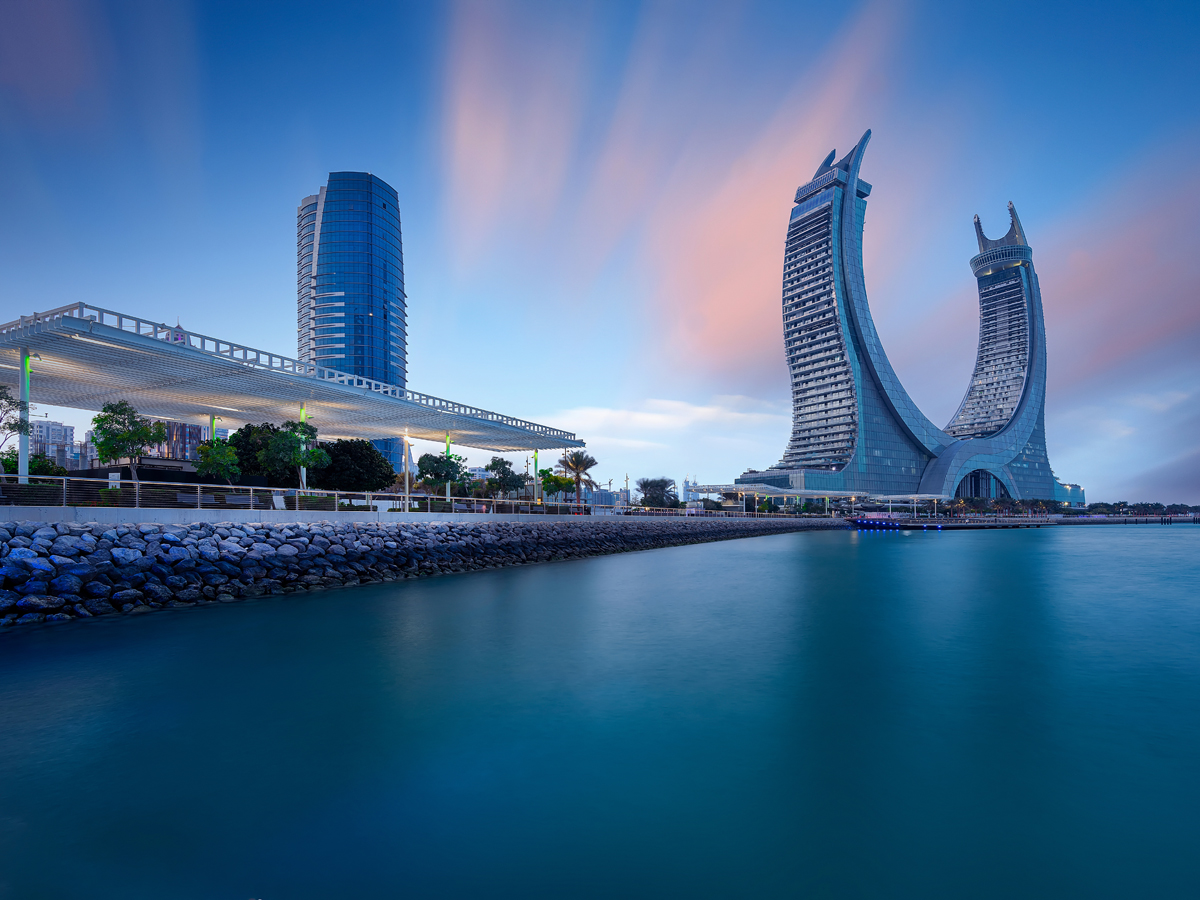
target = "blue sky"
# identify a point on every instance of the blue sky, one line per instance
(594, 197)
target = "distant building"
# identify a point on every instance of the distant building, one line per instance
(350, 284)
(55, 441)
(478, 473)
(51, 432)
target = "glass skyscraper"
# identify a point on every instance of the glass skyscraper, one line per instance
(350, 283)
(855, 430)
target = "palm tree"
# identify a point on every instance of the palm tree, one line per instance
(658, 492)
(576, 465)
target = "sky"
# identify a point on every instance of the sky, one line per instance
(594, 198)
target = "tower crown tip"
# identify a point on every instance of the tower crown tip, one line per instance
(1014, 237)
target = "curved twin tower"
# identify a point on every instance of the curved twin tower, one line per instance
(854, 428)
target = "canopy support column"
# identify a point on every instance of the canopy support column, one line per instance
(23, 437)
(303, 470)
(407, 498)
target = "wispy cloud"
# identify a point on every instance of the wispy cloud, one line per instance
(53, 54)
(514, 104)
(678, 437)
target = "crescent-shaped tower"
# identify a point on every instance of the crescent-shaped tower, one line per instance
(855, 430)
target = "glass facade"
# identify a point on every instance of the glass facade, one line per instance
(824, 405)
(350, 283)
(1002, 361)
(855, 430)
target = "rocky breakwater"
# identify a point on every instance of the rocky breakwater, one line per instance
(56, 573)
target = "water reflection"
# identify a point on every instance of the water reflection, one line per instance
(878, 714)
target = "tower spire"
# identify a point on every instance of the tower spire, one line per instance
(1015, 228)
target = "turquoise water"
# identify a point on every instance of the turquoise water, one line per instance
(983, 714)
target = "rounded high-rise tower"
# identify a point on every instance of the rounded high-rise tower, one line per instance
(350, 283)
(350, 279)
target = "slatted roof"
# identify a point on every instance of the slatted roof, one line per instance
(91, 356)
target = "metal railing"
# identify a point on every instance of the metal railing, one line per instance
(262, 359)
(57, 490)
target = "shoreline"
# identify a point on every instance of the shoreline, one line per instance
(68, 571)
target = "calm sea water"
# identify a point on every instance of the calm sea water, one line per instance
(981, 715)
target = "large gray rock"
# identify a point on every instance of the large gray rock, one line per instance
(98, 606)
(158, 592)
(175, 554)
(36, 602)
(14, 574)
(123, 556)
(40, 567)
(66, 545)
(66, 584)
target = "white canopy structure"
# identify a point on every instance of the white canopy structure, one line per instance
(81, 356)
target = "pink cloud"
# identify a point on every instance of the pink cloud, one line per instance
(513, 109)
(50, 59)
(1119, 282)
(717, 235)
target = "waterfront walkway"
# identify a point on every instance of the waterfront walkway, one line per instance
(992, 522)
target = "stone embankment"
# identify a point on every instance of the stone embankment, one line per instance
(56, 573)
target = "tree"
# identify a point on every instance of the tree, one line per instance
(353, 466)
(251, 440)
(955, 506)
(504, 480)
(294, 447)
(11, 422)
(218, 460)
(119, 431)
(554, 484)
(439, 470)
(39, 464)
(658, 492)
(576, 465)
